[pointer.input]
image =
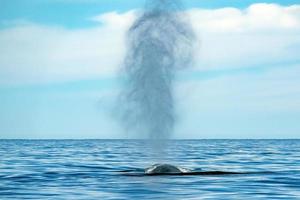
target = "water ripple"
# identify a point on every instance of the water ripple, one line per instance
(91, 169)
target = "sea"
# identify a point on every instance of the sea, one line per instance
(114, 169)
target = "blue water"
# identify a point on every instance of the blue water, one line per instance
(91, 169)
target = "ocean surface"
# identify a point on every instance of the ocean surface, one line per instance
(102, 169)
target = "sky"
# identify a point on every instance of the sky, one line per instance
(60, 64)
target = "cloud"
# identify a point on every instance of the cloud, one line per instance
(257, 17)
(243, 105)
(260, 35)
(32, 53)
(115, 19)
(276, 90)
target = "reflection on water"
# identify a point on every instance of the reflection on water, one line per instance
(91, 169)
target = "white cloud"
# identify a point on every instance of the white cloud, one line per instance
(257, 17)
(33, 53)
(230, 38)
(259, 35)
(275, 90)
(115, 19)
(243, 105)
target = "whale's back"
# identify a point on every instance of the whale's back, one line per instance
(163, 169)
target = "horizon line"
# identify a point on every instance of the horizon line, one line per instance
(174, 139)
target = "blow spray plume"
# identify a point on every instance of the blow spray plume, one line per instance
(159, 42)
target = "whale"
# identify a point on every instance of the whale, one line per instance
(168, 169)
(164, 169)
(172, 170)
